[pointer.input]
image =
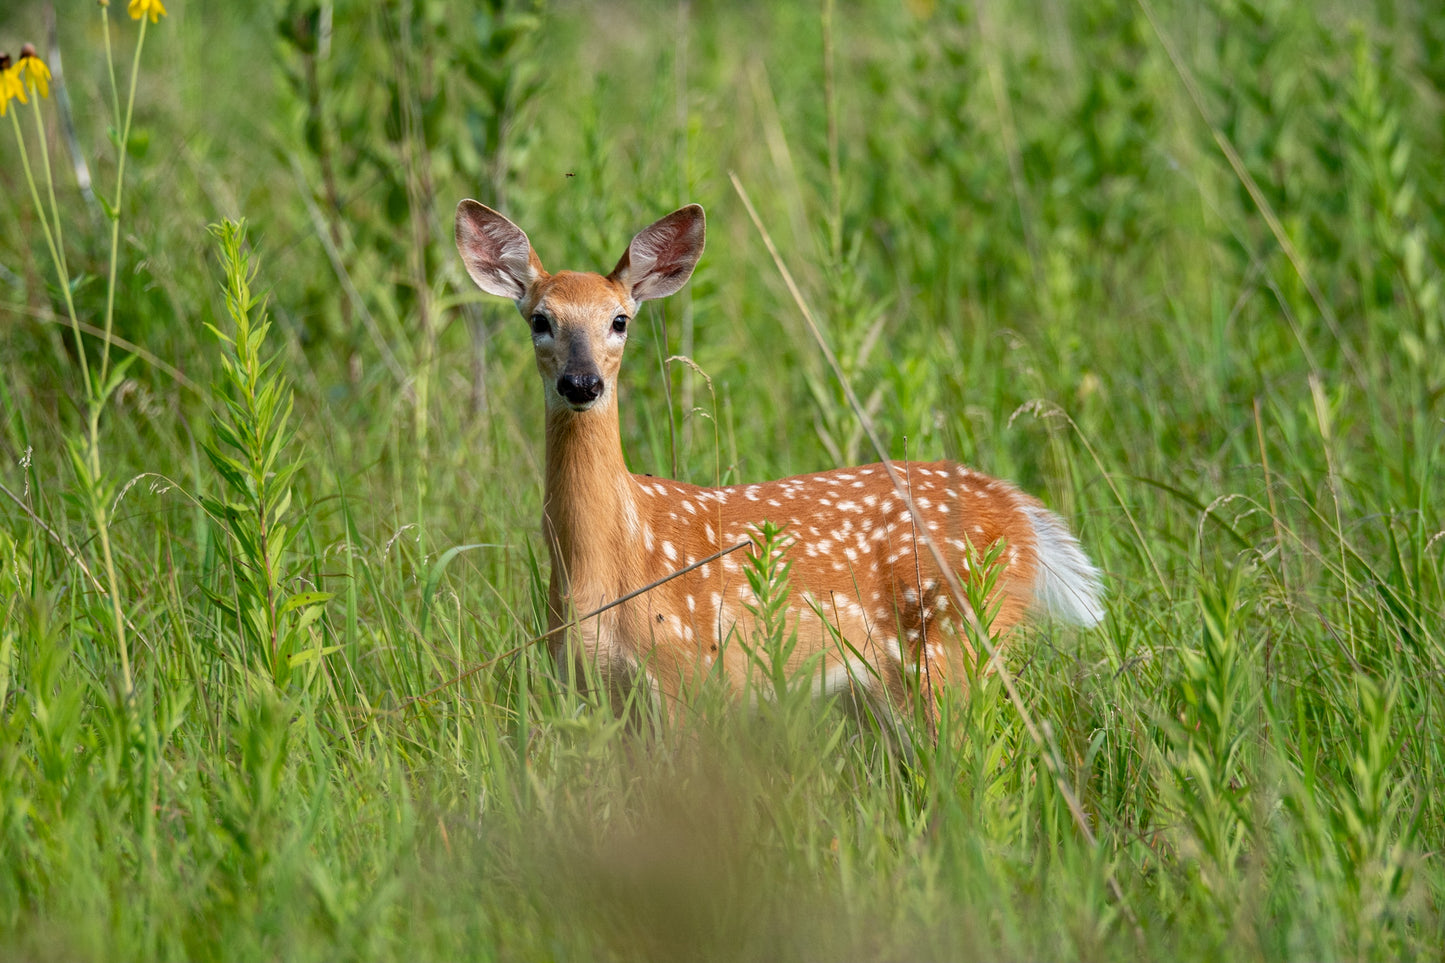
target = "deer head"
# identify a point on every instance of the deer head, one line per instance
(579, 320)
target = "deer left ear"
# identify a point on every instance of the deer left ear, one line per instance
(497, 254)
(661, 258)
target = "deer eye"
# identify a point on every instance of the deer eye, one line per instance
(540, 324)
(619, 324)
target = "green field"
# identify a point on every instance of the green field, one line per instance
(270, 560)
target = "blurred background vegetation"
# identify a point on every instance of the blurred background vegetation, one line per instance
(1173, 266)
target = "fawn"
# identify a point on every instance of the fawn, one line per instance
(871, 606)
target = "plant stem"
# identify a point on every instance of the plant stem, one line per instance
(57, 247)
(119, 194)
(94, 401)
(110, 60)
(51, 243)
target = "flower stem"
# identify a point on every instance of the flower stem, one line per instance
(102, 528)
(90, 467)
(119, 194)
(56, 254)
(110, 61)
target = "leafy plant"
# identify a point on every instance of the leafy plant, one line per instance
(275, 622)
(771, 644)
(1209, 770)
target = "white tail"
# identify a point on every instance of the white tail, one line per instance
(869, 597)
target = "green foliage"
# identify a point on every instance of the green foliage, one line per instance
(772, 645)
(983, 570)
(1210, 766)
(301, 713)
(1396, 273)
(251, 454)
(386, 104)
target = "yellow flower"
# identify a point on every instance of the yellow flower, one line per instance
(33, 69)
(140, 8)
(10, 86)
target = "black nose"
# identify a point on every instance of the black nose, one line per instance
(579, 389)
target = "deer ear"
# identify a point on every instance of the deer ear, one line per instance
(660, 259)
(497, 254)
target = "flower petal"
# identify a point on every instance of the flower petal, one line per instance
(140, 8)
(36, 74)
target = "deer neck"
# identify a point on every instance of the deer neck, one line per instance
(590, 513)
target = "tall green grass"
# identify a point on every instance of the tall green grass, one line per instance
(270, 572)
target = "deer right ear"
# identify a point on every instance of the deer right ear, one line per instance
(660, 259)
(497, 254)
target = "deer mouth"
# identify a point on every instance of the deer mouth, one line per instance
(557, 401)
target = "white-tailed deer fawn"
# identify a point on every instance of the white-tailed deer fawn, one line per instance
(870, 604)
